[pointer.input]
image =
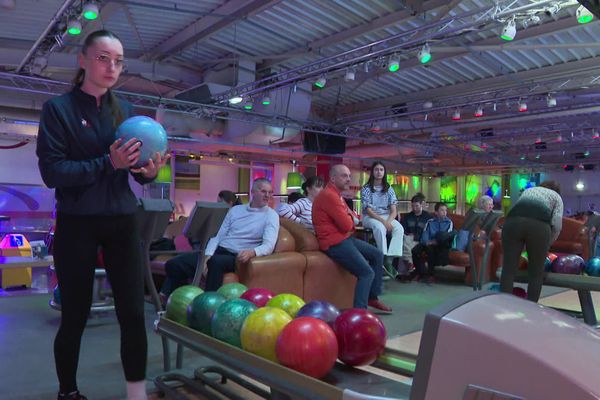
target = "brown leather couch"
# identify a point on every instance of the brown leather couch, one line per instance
(297, 266)
(280, 272)
(324, 279)
(573, 239)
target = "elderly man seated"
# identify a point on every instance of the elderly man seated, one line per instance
(248, 231)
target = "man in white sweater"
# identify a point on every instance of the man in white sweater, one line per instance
(249, 230)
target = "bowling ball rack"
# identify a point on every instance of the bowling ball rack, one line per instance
(581, 283)
(284, 383)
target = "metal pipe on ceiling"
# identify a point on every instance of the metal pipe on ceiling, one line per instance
(41, 38)
(268, 84)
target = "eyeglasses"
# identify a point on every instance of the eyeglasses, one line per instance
(106, 60)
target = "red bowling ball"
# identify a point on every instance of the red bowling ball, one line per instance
(361, 336)
(259, 296)
(307, 345)
(520, 292)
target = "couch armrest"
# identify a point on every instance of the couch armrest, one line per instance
(280, 273)
(327, 281)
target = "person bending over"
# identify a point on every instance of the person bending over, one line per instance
(334, 225)
(248, 231)
(534, 221)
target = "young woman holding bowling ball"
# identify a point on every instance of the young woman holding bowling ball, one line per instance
(80, 158)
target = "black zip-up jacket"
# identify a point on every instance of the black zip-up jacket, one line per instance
(414, 225)
(73, 147)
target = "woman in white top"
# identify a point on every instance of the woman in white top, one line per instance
(301, 210)
(379, 212)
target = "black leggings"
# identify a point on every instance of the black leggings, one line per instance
(535, 236)
(75, 252)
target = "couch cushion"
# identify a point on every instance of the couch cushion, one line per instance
(457, 220)
(305, 239)
(280, 273)
(563, 246)
(326, 280)
(459, 258)
(285, 241)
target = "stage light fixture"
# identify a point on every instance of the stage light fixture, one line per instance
(478, 112)
(424, 54)
(349, 76)
(522, 106)
(236, 100)
(551, 100)
(90, 11)
(74, 27)
(320, 83)
(509, 31)
(248, 104)
(584, 15)
(456, 115)
(394, 63)
(266, 100)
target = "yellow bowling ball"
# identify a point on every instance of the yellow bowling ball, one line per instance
(290, 303)
(261, 330)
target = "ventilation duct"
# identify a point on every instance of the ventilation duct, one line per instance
(287, 102)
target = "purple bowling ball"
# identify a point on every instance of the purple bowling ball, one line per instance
(319, 309)
(570, 264)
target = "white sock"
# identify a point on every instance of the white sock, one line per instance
(136, 390)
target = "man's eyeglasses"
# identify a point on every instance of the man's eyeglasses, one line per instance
(106, 60)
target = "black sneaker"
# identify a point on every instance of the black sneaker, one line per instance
(71, 396)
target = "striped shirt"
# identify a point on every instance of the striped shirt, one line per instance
(379, 201)
(299, 211)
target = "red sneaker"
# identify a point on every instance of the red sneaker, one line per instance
(379, 305)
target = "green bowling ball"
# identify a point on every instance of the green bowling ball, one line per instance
(290, 303)
(202, 309)
(179, 301)
(232, 290)
(229, 318)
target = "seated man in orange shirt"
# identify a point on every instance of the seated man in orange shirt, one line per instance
(334, 224)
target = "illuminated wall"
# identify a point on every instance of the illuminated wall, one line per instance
(448, 191)
(473, 191)
(493, 187)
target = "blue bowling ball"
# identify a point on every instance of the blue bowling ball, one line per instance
(494, 287)
(150, 133)
(592, 267)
